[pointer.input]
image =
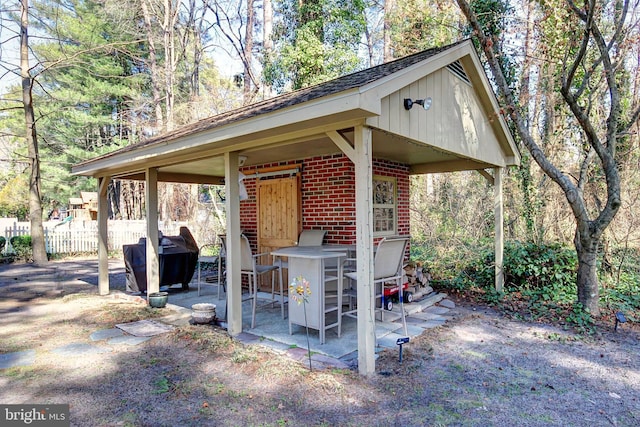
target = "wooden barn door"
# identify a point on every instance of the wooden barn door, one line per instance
(279, 216)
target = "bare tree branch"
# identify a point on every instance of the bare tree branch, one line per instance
(588, 84)
(509, 99)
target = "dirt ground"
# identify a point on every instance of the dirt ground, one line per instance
(479, 369)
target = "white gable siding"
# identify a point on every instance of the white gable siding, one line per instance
(455, 122)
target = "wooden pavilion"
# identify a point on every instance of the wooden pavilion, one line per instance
(430, 112)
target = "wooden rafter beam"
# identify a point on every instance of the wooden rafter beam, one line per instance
(182, 178)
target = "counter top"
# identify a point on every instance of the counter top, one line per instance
(311, 252)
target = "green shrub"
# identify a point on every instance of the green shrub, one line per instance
(540, 279)
(549, 269)
(22, 247)
(421, 252)
(620, 284)
(445, 260)
(623, 295)
(3, 242)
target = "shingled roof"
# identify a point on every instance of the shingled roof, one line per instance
(340, 84)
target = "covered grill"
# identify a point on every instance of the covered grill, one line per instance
(178, 260)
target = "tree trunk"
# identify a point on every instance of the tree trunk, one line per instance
(389, 5)
(168, 28)
(587, 277)
(589, 74)
(311, 11)
(114, 192)
(153, 66)
(248, 51)
(196, 25)
(35, 203)
(267, 38)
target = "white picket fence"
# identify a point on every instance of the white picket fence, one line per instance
(83, 238)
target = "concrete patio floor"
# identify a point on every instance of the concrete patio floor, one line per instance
(64, 277)
(271, 330)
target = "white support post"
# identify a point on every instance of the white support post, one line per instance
(103, 254)
(234, 280)
(364, 250)
(153, 260)
(499, 229)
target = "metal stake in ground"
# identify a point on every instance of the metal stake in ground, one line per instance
(619, 319)
(399, 343)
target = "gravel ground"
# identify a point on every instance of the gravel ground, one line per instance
(486, 370)
(479, 369)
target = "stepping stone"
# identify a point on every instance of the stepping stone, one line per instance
(430, 324)
(247, 338)
(409, 309)
(297, 353)
(145, 328)
(350, 357)
(127, 340)
(181, 318)
(105, 334)
(428, 319)
(383, 328)
(427, 316)
(391, 316)
(411, 320)
(436, 310)
(431, 299)
(277, 345)
(413, 330)
(79, 349)
(17, 358)
(328, 361)
(447, 303)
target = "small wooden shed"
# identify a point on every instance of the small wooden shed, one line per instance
(433, 111)
(84, 207)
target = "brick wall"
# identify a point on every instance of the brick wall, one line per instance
(328, 197)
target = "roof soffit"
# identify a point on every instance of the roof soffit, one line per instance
(213, 143)
(336, 109)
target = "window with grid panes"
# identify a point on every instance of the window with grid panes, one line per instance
(384, 205)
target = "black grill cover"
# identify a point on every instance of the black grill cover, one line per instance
(178, 261)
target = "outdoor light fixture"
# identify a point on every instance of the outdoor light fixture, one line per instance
(242, 189)
(399, 343)
(619, 319)
(426, 103)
